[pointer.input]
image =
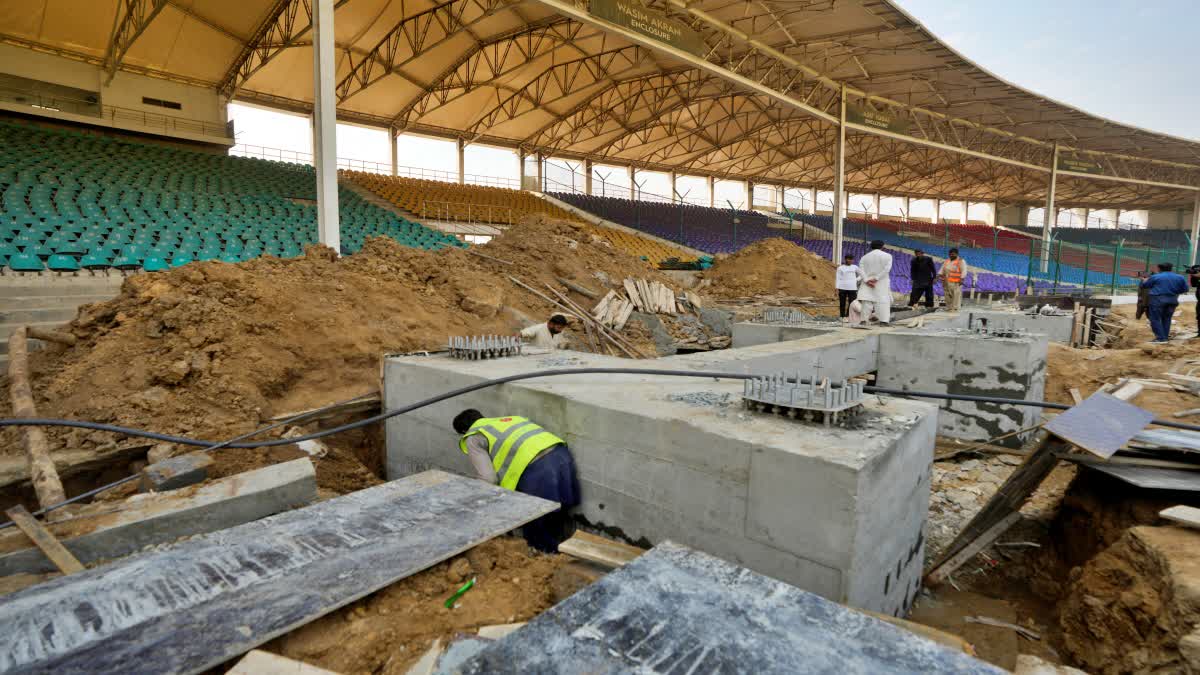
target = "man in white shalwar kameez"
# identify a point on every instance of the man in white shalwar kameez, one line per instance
(875, 292)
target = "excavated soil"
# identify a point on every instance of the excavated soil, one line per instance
(211, 350)
(387, 631)
(772, 267)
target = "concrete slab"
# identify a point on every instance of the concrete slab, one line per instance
(115, 529)
(832, 510)
(204, 601)
(960, 362)
(675, 610)
(1055, 328)
(176, 472)
(749, 334)
(837, 354)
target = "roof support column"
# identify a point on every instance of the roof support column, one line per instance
(749, 196)
(673, 177)
(962, 217)
(937, 211)
(461, 147)
(541, 177)
(1087, 213)
(839, 180)
(1195, 225)
(587, 178)
(875, 206)
(812, 200)
(908, 208)
(1051, 214)
(395, 157)
(325, 126)
(633, 191)
(521, 168)
(712, 192)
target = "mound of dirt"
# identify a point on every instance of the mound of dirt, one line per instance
(1135, 607)
(211, 350)
(772, 267)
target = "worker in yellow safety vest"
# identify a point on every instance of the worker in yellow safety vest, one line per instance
(954, 270)
(519, 455)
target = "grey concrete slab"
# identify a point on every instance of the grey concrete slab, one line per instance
(113, 530)
(749, 334)
(959, 362)
(675, 610)
(1055, 328)
(661, 457)
(837, 354)
(204, 601)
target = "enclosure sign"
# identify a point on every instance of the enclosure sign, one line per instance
(1078, 165)
(632, 15)
(857, 114)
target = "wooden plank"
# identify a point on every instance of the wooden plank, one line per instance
(53, 548)
(204, 601)
(631, 290)
(605, 552)
(15, 469)
(1076, 396)
(258, 662)
(1128, 391)
(626, 312)
(981, 542)
(1188, 516)
(42, 473)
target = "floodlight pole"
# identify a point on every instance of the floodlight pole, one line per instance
(1049, 221)
(839, 179)
(325, 126)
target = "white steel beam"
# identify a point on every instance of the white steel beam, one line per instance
(839, 180)
(392, 135)
(1051, 216)
(588, 169)
(325, 126)
(461, 147)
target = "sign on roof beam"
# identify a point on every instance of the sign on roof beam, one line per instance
(131, 19)
(649, 22)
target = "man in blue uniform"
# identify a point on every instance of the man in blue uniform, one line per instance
(1164, 289)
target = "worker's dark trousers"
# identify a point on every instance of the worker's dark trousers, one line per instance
(916, 294)
(844, 300)
(552, 477)
(1160, 313)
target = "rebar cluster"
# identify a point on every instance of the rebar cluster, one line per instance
(478, 347)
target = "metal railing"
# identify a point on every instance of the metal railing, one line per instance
(90, 108)
(368, 166)
(467, 213)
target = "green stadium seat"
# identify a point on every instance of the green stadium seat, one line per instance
(95, 261)
(155, 263)
(62, 263)
(25, 262)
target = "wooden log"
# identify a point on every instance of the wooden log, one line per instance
(1186, 413)
(1128, 391)
(41, 537)
(42, 472)
(582, 290)
(57, 336)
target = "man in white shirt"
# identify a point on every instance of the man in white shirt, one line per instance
(875, 293)
(547, 335)
(848, 277)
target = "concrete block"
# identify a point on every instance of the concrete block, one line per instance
(112, 530)
(1055, 328)
(749, 334)
(176, 472)
(965, 363)
(837, 354)
(827, 509)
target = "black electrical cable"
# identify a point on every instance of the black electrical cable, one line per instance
(215, 446)
(233, 442)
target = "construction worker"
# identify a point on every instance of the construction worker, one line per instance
(954, 270)
(522, 456)
(547, 335)
(875, 293)
(1165, 287)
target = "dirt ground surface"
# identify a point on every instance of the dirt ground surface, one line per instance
(211, 350)
(772, 267)
(387, 631)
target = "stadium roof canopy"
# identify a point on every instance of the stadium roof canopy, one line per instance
(757, 96)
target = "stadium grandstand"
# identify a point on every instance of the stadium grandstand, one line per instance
(250, 388)
(853, 102)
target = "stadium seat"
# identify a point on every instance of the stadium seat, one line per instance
(25, 262)
(62, 263)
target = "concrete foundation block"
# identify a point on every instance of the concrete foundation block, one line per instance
(837, 353)
(1055, 328)
(176, 472)
(838, 511)
(966, 363)
(115, 529)
(749, 334)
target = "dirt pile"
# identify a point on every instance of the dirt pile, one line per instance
(772, 267)
(386, 632)
(210, 350)
(1136, 606)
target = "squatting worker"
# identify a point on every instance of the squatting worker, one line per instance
(922, 271)
(1164, 287)
(875, 294)
(547, 335)
(522, 456)
(954, 270)
(849, 276)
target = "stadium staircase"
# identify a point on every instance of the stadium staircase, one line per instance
(48, 302)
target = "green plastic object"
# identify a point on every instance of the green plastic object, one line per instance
(459, 593)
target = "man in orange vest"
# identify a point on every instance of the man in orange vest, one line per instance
(954, 270)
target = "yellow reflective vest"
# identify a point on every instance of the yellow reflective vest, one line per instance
(513, 442)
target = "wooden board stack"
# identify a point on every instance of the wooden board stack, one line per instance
(651, 297)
